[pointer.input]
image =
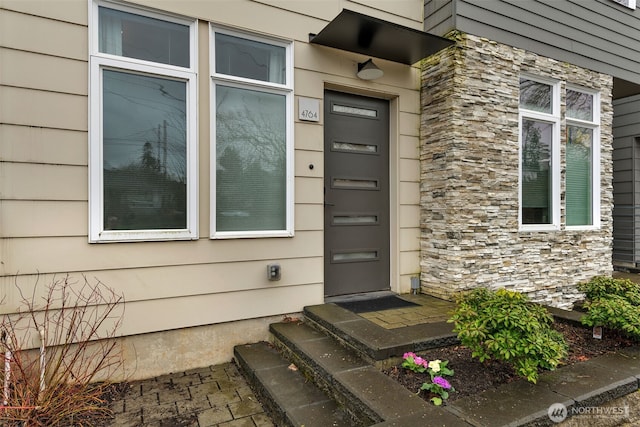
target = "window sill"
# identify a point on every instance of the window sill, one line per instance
(538, 228)
(143, 236)
(250, 234)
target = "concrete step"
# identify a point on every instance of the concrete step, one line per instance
(366, 393)
(289, 398)
(373, 343)
(332, 385)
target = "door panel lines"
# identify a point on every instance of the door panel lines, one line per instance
(356, 185)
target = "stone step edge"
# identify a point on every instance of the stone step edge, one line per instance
(625, 384)
(334, 383)
(380, 357)
(278, 405)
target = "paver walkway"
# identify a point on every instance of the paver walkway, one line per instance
(219, 395)
(205, 397)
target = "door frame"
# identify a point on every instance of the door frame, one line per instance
(394, 177)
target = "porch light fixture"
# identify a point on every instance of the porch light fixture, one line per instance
(368, 70)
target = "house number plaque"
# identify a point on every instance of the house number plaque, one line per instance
(309, 109)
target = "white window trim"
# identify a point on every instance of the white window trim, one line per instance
(595, 184)
(268, 87)
(554, 119)
(99, 61)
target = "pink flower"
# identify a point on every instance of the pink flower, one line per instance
(419, 360)
(442, 383)
(408, 355)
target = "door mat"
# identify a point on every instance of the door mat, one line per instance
(376, 304)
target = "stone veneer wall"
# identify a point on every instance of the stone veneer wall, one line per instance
(469, 160)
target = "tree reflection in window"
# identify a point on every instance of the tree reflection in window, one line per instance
(536, 173)
(251, 160)
(144, 152)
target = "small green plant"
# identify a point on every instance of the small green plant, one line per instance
(436, 369)
(439, 386)
(505, 325)
(612, 303)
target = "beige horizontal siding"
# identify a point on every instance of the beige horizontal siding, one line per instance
(173, 313)
(246, 15)
(409, 216)
(409, 239)
(309, 190)
(411, 10)
(409, 266)
(309, 217)
(30, 107)
(41, 145)
(312, 84)
(74, 11)
(409, 193)
(301, 17)
(74, 254)
(409, 170)
(33, 70)
(193, 310)
(176, 281)
(304, 158)
(38, 218)
(408, 147)
(31, 181)
(309, 137)
(43, 173)
(409, 263)
(42, 35)
(311, 57)
(409, 124)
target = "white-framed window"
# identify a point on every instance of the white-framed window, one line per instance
(540, 163)
(582, 156)
(251, 134)
(142, 130)
(539, 154)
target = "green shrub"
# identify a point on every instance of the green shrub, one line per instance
(612, 303)
(601, 286)
(505, 325)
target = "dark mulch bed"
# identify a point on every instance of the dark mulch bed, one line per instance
(472, 377)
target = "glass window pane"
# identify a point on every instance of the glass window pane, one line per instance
(359, 184)
(144, 152)
(141, 37)
(251, 160)
(355, 219)
(536, 172)
(536, 96)
(579, 105)
(356, 111)
(355, 256)
(240, 57)
(579, 175)
(349, 147)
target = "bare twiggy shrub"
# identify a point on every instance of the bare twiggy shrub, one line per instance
(63, 350)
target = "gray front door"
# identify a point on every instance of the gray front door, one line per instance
(356, 199)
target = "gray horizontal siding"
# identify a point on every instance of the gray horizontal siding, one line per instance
(597, 34)
(626, 173)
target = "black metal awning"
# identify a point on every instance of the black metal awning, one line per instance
(355, 32)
